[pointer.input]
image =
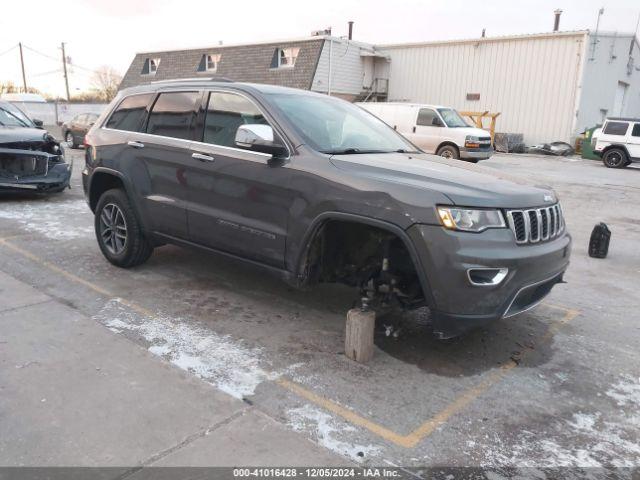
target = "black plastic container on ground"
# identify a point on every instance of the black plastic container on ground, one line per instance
(599, 241)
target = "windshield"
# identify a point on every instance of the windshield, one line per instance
(12, 116)
(452, 118)
(333, 126)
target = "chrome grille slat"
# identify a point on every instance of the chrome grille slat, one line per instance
(534, 230)
(544, 219)
(536, 224)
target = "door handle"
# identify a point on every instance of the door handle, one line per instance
(202, 157)
(414, 129)
(135, 144)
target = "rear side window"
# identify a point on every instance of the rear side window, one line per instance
(636, 130)
(174, 115)
(225, 113)
(616, 128)
(426, 116)
(130, 113)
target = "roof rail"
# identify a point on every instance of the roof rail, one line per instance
(194, 79)
(625, 119)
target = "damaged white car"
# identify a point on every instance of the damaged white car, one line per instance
(30, 157)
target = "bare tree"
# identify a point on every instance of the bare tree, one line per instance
(106, 81)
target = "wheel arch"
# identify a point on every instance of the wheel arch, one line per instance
(103, 179)
(616, 146)
(448, 143)
(316, 227)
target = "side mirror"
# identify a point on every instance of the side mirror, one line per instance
(259, 138)
(436, 122)
(38, 123)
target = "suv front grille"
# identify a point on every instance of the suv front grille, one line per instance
(537, 224)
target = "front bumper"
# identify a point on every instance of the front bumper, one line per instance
(475, 153)
(52, 174)
(458, 306)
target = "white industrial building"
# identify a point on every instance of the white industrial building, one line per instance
(547, 86)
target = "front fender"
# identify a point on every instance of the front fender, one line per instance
(296, 257)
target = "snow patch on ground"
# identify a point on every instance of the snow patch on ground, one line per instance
(626, 392)
(584, 440)
(222, 361)
(50, 219)
(326, 428)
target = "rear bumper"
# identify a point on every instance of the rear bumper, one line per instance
(459, 305)
(476, 154)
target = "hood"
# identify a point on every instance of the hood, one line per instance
(476, 132)
(465, 184)
(19, 135)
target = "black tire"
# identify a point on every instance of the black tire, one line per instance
(615, 158)
(132, 250)
(448, 151)
(70, 140)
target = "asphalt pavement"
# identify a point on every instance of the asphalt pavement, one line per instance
(143, 362)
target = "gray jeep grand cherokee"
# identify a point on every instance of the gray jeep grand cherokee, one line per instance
(316, 189)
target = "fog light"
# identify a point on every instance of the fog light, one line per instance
(486, 277)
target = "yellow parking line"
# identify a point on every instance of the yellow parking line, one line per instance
(55, 268)
(341, 411)
(430, 425)
(407, 441)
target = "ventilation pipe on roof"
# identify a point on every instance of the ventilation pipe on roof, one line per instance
(556, 23)
(351, 30)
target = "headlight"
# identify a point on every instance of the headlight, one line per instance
(470, 220)
(472, 141)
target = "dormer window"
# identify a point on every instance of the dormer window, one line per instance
(285, 57)
(209, 62)
(150, 66)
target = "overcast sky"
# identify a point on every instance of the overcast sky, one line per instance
(99, 32)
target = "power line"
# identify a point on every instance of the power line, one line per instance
(9, 50)
(57, 59)
(50, 72)
(40, 53)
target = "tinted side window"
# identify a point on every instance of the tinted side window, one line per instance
(130, 113)
(616, 128)
(426, 116)
(636, 130)
(225, 113)
(174, 114)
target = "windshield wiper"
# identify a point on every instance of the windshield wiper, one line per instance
(351, 151)
(404, 150)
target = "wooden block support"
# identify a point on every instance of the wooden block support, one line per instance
(358, 340)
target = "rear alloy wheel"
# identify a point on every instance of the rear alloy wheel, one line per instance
(71, 143)
(118, 231)
(615, 158)
(448, 151)
(113, 229)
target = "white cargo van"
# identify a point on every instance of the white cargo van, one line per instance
(435, 129)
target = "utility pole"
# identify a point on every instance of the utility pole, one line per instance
(64, 69)
(24, 77)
